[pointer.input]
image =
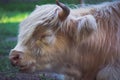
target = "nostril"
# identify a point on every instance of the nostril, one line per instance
(15, 58)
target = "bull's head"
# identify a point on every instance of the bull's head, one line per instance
(49, 37)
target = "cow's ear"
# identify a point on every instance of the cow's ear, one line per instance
(86, 26)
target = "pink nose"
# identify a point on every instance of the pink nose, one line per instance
(15, 57)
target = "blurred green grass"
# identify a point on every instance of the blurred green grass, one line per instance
(19, 5)
(12, 17)
(8, 29)
(5, 65)
(9, 22)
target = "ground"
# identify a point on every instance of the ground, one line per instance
(28, 76)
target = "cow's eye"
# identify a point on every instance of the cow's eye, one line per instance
(47, 39)
(43, 36)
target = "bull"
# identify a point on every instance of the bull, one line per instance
(83, 43)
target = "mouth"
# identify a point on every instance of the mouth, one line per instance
(27, 68)
(23, 68)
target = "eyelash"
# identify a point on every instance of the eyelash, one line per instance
(44, 36)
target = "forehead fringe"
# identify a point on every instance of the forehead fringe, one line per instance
(47, 15)
(43, 15)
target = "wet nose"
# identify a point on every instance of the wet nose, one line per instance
(15, 57)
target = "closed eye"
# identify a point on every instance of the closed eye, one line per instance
(48, 39)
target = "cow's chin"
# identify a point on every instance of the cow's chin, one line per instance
(25, 69)
(33, 67)
(29, 68)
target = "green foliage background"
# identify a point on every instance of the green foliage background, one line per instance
(28, 5)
